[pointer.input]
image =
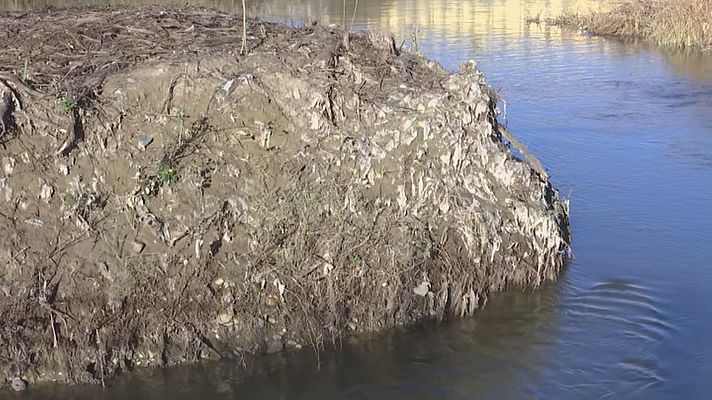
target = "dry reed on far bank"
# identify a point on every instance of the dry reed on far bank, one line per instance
(672, 23)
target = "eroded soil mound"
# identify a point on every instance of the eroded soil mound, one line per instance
(164, 198)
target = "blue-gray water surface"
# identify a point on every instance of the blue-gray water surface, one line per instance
(625, 130)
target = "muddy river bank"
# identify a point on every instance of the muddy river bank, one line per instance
(624, 131)
(171, 195)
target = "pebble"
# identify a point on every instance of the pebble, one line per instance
(8, 165)
(271, 301)
(46, 192)
(63, 169)
(18, 384)
(422, 289)
(224, 318)
(227, 298)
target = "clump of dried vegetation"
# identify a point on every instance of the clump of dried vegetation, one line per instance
(673, 23)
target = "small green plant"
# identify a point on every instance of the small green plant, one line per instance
(26, 70)
(178, 112)
(175, 149)
(67, 106)
(165, 175)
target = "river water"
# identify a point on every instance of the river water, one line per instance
(625, 130)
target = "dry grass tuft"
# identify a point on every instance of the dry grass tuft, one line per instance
(673, 23)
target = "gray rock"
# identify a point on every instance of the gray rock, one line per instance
(46, 192)
(63, 169)
(137, 246)
(225, 318)
(18, 384)
(144, 142)
(422, 289)
(8, 165)
(275, 347)
(227, 298)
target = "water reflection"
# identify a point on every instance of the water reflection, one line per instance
(465, 27)
(462, 27)
(491, 355)
(697, 65)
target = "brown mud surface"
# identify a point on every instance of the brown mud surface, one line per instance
(165, 198)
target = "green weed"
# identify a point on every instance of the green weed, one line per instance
(165, 174)
(26, 70)
(67, 106)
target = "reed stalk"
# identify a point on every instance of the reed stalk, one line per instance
(672, 23)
